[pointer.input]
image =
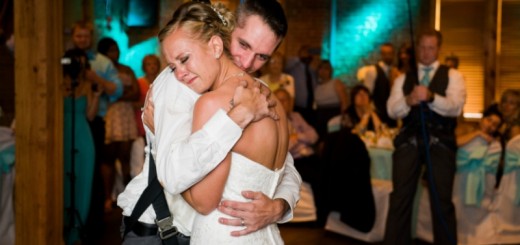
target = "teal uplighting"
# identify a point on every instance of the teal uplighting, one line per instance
(357, 29)
(130, 55)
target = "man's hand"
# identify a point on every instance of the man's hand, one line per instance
(419, 94)
(148, 110)
(254, 215)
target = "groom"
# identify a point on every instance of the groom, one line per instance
(189, 158)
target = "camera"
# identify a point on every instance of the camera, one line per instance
(74, 61)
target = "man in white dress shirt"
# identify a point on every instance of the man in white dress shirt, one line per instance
(183, 159)
(434, 102)
(378, 79)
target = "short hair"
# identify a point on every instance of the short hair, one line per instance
(203, 21)
(82, 24)
(150, 56)
(104, 45)
(431, 33)
(270, 11)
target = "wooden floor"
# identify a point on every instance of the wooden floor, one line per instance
(292, 233)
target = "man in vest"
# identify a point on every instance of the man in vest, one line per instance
(434, 102)
(378, 79)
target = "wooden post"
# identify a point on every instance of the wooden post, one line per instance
(39, 122)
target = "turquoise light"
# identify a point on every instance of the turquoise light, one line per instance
(130, 56)
(358, 28)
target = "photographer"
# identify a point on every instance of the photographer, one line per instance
(80, 104)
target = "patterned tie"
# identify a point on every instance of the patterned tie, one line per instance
(426, 78)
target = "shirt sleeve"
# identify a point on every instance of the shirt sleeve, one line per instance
(370, 77)
(112, 75)
(184, 162)
(182, 158)
(289, 188)
(396, 103)
(452, 104)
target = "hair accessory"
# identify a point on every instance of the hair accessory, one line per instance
(219, 15)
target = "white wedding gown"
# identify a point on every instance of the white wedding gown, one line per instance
(243, 175)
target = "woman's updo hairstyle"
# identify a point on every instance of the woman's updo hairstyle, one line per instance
(203, 21)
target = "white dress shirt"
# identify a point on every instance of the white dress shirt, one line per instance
(449, 106)
(370, 74)
(183, 159)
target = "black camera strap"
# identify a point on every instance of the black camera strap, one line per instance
(154, 195)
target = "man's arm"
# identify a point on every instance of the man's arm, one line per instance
(451, 105)
(261, 210)
(183, 159)
(397, 105)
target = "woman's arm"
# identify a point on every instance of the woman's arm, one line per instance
(466, 138)
(205, 196)
(92, 103)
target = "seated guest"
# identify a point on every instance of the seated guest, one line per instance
(510, 108)
(330, 96)
(302, 138)
(347, 187)
(275, 78)
(360, 116)
(478, 154)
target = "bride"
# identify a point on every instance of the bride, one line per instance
(195, 43)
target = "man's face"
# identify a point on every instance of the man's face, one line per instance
(387, 54)
(428, 50)
(82, 38)
(252, 44)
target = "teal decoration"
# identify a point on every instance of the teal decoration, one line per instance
(357, 29)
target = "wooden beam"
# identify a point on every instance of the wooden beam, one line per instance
(39, 121)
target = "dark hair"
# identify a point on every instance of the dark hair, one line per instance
(431, 33)
(72, 62)
(453, 58)
(104, 45)
(493, 110)
(326, 62)
(270, 11)
(355, 90)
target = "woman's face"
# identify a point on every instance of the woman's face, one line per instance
(325, 71)
(151, 65)
(490, 124)
(362, 99)
(113, 53)
(509, 106)
(192, 61)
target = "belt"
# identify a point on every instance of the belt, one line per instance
(142, 229)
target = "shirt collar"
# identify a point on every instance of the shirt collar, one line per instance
(434, 65)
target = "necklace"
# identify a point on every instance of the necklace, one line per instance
(232, 101)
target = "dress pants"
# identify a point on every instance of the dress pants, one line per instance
(407, 161)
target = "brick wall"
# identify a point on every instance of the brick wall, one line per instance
(360, 27)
